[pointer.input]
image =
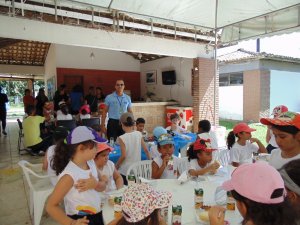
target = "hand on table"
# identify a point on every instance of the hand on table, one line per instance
(216, 215)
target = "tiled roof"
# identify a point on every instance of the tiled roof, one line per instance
(244, 55)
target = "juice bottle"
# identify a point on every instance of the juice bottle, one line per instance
(230, 201)
(131, 179)
(170, 165)
(117, 207)
(198, 198)
(176, 215)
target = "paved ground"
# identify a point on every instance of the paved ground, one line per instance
(14, 192)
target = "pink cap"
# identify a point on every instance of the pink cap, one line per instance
(86, 107)
(279, 110)
(103, 146)
(257, 182)
(242, 127)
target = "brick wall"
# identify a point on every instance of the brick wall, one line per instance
(256, 94)
(204, 91)
(105, 79)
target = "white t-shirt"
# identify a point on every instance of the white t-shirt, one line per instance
(272, 139)
(61, 116)
(178, 130)
(169, 172)
(194, 165)
(242, 154)
(86, 116)
(133, 144)
(108, 170)
(77, 203)
(277, 161)
(50, 171)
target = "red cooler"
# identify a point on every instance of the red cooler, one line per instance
(185, 114)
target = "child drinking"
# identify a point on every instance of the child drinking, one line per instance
(107, 168)
(130, 144)
(164, 166)
(200, 157)
(60, 133)
(175, 128)
(286, 129)
(242, 150)
(260, 197)
(270, 137)
(78, 182)
(141, 204)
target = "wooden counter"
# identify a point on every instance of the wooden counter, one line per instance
(153, 112)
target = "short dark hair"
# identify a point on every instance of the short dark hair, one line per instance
(174, 116)
(288, 129)
(140, 120)
(204, 125)
(29, 109)
(26, 91)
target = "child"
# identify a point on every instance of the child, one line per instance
(84, 112)
(34, 143)
(63, 112)
(130, 144)
(260, 197)
(200, 157)
(164, 166)
(286, 129)
(60, 133)
(241, 151)
(107, 168)
(140, 126)
(78, 182)
(290, 174)
(270, 138)
(175, 119)
(141, 204)
(204, 127)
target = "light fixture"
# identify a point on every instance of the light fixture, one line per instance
(140, 56)
(196, 68)
(92, 55)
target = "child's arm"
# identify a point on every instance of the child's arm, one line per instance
(268, 135)
(123, 153)
(55, 211)
(145, 148)
(118, 179)
(158, 171)
(92, 183)
(45, 162)
(261, 147)
(211, 168)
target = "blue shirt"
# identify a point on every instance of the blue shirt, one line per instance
(117, 105)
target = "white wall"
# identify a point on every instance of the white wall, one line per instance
(284, 89)
(50, 63)
(79, 57)
(231, 102)
(181, 91)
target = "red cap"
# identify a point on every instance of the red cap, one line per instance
(86, 107)
(103, 146)
(242, 127)
(279, 110)
(284, 119)
(203, 145)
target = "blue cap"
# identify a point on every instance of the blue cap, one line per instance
(162, 137)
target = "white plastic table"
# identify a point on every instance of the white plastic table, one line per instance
(183, 194)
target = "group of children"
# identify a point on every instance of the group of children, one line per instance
(80, 160)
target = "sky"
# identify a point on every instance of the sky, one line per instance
(285, 44)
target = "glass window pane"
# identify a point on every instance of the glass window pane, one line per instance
(236, 79)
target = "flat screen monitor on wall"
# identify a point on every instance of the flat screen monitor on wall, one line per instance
(169, 77)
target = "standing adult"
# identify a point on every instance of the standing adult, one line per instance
(60, 95)
(76, 97)
(91, 100)
(40, 101)
(28, 99)
(3, 101)
(116, 104)
(100, 95)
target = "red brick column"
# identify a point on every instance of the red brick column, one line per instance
(203, 91)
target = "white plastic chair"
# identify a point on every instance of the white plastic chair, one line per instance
(224, 157)
(40, 188)
(141, 169)
(183, 164)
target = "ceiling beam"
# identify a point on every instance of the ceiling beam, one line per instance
(19, 28)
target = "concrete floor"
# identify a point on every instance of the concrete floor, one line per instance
(13, 188)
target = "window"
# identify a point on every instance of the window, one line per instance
(231, 79)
